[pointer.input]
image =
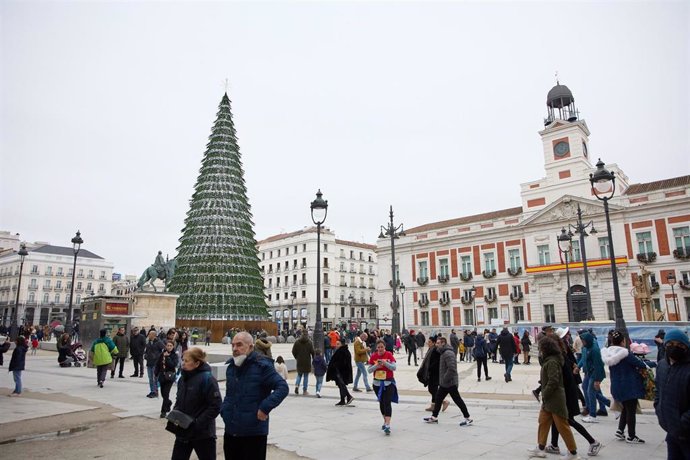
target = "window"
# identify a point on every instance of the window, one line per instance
(88, 287)
(493, 313)
(80, 273)
(644, 242)
(611, 310)
(46, 298)
(78, 299)
(287, 251)
(294, 250)
(685, 277)
(102, 275)
(687, 307)
(423, 270)
(518, 313)
(425, 318)
(342, 252)
(544, 255)
(467, 295)
(101, 287)
(491, 292)
(325, 278)
(443, 268)
(469, 317)
(604, 247)
(549, 314)
(49, 271)
(90, 274)
(270, 296)
(352, 268)
(32, 296)
(70, 271)
(294, 280)
(287, 265)
(445, 297)
(58, 284)
(59, 271)
(352, 254)
(263, 256)
(270, 282)
(57, 298)
(514, 257)
(304, 296)
(34, 283)
(325, 247)
(304, 247)
(361, 268)
(34, 269)
(682, 238)
(304, 262)
(575, 255)
(325, 293)
(285, 296)
(466, 264)
(424, 298)
(489, 262)
(445, 318)
(46, 284)
(270, 254)
(342, 266)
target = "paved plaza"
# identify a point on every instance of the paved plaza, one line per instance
(118, 421)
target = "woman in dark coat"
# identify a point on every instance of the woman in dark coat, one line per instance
(526, 346)
(64, 348)
(17, 364)
(428, 372)
(166, 372)
(340, 371)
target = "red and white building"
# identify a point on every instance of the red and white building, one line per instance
(511, 256)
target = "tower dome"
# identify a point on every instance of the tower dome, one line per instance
(559, 96)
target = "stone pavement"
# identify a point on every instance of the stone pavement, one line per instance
(504, 414)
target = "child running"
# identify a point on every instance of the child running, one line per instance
(382, 365)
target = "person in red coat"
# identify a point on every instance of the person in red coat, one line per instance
(516, 339)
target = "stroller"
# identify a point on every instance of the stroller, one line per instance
(76, 356)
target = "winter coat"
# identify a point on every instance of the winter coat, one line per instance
(421, 340)
(481, 349)
(253, 386)
(102, 349)
(263, 347)
(171, 362)
(137, 345)
(390, 342)
(526, 344)
(361, 355)
(468, 340)
(411, 342)
(570, 385)
(454, 341)
(448, 368)
(552, 389)
(64, 350)
(672, 400)
(199, 397)
(506, 344)
(122, 344)
(320, 366)
(591, 358)
(18, 360)
(153, 351)
(428, 371)
(624, 367)
(303, 351)
(516, 339)
(340, 363)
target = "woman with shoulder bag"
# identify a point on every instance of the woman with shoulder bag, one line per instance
(193, 418)
(165, 369)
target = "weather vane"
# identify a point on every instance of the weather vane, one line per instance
(556, 77)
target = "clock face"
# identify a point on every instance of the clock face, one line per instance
(584, 149)
(561, 149)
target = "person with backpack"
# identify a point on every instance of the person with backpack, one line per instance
(103, 349)
(320, 368)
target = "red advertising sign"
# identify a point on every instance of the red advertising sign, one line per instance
(113, 308)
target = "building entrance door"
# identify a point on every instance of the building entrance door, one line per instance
(578, 294)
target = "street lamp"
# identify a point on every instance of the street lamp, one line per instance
(604, 186)
(319, 211)
(581, 229)
(393, 232)
(565, 245)
(14, 328)
(402, 297)
(76, 246)
(671, 279)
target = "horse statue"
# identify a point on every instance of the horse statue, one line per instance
(154, 273)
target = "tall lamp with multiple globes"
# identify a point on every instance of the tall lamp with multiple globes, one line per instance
(603, 184)
(565, 245)
(393, 232)
(14, 326)
(77, 241)
(319, 211)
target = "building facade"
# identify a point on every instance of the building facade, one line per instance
(47, 281)
(505, 266)
(348, 280)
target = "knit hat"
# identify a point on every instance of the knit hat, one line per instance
(678, 336)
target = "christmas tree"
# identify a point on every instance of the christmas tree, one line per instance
(217, 275)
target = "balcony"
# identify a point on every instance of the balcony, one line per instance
(443, 278)
(646, 257)
(444, 301)
(466, 276)
(33, 287)
(516, 298)
(654, 288)
(682, 253)
(343, 284)
(303, 266)
(47, 288)
(423, 303)
(362, 286)
(423, 281)
(343, 270)
(467, 300)
(488, 274)
(516, 272)
(490, 298)
(685, 285)
(352, 270)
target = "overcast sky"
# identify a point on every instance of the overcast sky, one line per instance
(434, 108)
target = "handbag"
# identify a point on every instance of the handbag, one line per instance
(179, 419)
(648, 383)
(169, 376)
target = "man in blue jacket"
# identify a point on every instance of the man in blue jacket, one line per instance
(251, 382)
(672, 400)
(593, 366)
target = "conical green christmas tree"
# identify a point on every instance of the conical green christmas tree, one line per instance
(217, 273)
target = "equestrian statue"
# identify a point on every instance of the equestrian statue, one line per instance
(160, 270)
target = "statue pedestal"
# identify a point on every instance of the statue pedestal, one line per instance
(157, 308)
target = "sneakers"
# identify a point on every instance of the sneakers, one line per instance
(387, 430)
(535, 393)
(536, 452)
(487, 378)
(296, 390)
(589, 419)
(100, 384)
(318, 394)
(479, 379)
(134, 375)
(305, 392)
(444, 405)
(340, 404)
(431, 419)
(620, 435)
(594, 449)
(551, 449)
(570, 456)
(349, 400)
(357, 390)
(466, 422)
(120, 376)
(602, 412)
(634, 440)
(369, 390)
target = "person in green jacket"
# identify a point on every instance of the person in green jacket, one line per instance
(103, 349)
(553, 407)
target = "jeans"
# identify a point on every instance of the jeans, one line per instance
(592, 396)
(468, 354)
(362, 370)
(244, 447)
(509, 366)
(17, 381)
(328, 354)
(319, 383)
(205, 449)
(153, 383)
(299, 379)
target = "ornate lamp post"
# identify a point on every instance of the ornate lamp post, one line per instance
(319, 211)
(581, 230)
(671, 279)
(77, 241)
(565, 245)
(402, 297)
(14, 327)
(393, 232)
(604, 186)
